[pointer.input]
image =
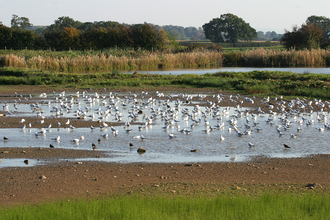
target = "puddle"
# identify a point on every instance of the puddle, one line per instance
(19, 162)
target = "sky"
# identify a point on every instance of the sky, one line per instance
(262, 15)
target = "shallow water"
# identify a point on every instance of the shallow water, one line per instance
(235, 69)
(161, 148)
(19, 162)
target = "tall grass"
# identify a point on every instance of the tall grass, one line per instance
(139, 59)
(279, 58)
(266, 206)
(106, 61)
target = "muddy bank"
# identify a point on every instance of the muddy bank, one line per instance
(67, 180)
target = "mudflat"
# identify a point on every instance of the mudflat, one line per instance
(67, 179)
(62, 177)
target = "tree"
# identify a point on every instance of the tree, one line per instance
(268, 34)
(62, 22)
(176, 31)
(20, 22)
(313, 35)
(273, 34)
(148, 36)
(260, 34)
(95, 38)
(323, 23)
(229, 28)
(108, 24)
(22, 39)
(119, 37)
(190, 31)
(6, 34)
(87, 26)
(53, 39)
(176, 34)
(70, 36)
(308, 36)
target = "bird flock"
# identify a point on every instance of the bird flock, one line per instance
(179, 116)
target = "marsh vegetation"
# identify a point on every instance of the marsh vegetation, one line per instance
(271, 83)
(130, 59)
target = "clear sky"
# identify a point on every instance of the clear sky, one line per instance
(262, 15)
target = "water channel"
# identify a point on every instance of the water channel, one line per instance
(234, 69)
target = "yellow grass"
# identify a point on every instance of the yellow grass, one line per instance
(278, 57)
(95, 62)
(198, 58)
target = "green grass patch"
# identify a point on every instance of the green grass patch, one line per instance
(268, 205)
(262, 83)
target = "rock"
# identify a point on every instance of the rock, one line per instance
(79, 162)
(5, 152)
(42, 177)
(163, 177)
(194, 150)
(130, 144)
(286, 146)
(140, 112)
(311, 185)
(26, 161)
(141, 150)
(51, 146)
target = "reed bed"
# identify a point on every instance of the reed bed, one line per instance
(123, 59)
(110, 62)
(279, 58)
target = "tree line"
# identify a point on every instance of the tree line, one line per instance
(313, 34)
(185, 33)
(67, 33)
(268, 36)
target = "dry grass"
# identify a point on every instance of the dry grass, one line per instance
(97, 62)
(264, 57)
(147, 60)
